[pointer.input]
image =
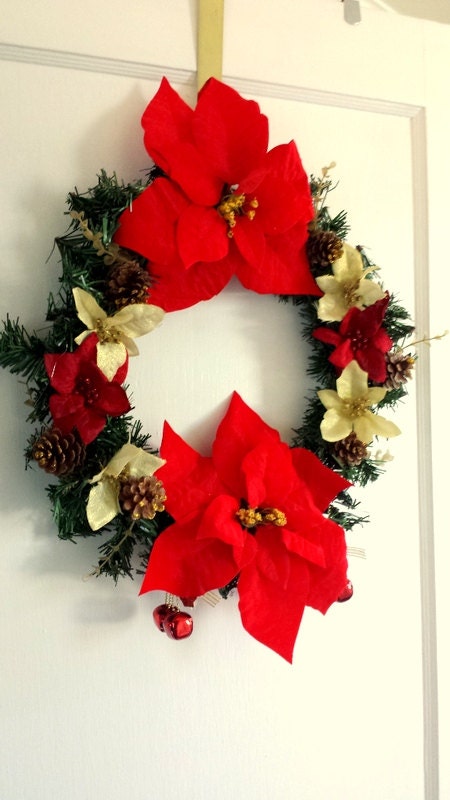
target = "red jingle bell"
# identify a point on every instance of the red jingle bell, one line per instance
(178, 625)
(160, 613)
(346, 593)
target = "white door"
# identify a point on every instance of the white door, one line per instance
(94, 702)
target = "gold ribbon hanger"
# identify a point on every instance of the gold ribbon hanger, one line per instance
(209, 40)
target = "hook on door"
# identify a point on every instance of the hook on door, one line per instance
(352, 11)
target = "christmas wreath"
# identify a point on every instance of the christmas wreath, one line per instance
(262, 516)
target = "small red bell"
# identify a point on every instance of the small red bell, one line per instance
(346, 593)
(160, 613)
(178, 624)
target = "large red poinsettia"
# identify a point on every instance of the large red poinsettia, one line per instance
(84, 397)
(254, 509)
(225, 205)
(360, 338)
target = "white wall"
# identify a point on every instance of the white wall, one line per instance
(93, 701)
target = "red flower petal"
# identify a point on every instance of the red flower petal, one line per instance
(366, 321)
(250, 240)
(169, 139)
(328, 336)
(285, 268)
(62, 370)
(272, 611)
(269, 612)
(272, 560)
(382, 341)
(219, 522)
(176, 287)
(309, 551)
(183, 564)
(240, 431)
(270, 476)
(373, 362)
(190, 480)
(194, 175)
(69, 413)
(201, 235)
(65, 405)
(112, 400)
(230, 131)
(149, 226)
(167, 123)
(326, 584)
(284, 196)
(343, 354)
(89, 424)
(323, 483)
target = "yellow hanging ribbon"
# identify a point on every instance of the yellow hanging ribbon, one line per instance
(209, 40)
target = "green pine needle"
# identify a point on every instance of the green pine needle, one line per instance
(21, 352)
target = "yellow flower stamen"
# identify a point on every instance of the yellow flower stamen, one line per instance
(351, 293)
(252, 517)
(249, 517)
(355, 408)
(233, 205)
(107, 333)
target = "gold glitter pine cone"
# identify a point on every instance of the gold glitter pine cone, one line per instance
(142, 497)
(399, 369)
(58, 453)
(323, 248)
(128, 283)
(350, 452)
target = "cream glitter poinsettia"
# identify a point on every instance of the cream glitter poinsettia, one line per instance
(347, 288)
(348, 408)
(103, 502)
(116, 333)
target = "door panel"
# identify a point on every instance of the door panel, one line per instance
(84, 662)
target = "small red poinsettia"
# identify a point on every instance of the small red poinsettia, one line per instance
(360, 338)
(226, 204)
(83, 396)
(253, 509)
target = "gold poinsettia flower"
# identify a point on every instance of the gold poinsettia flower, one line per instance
(115, 333)
(347, 287)
(348, 408)
(129, 462)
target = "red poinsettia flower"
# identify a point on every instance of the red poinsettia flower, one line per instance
(225, 206)
(84, 397)
(360, 338)
(253, 509)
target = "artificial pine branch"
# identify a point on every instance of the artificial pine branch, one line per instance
(320, 188)
(118, 550)
(21, 352)
(103, 204)
(342, 509)
(68, 500)
(397, 321)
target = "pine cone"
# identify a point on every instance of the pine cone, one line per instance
(128, 283)
(398, 369)
(323, 248)
(142, 497)
(58, 453)
(350, 451)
